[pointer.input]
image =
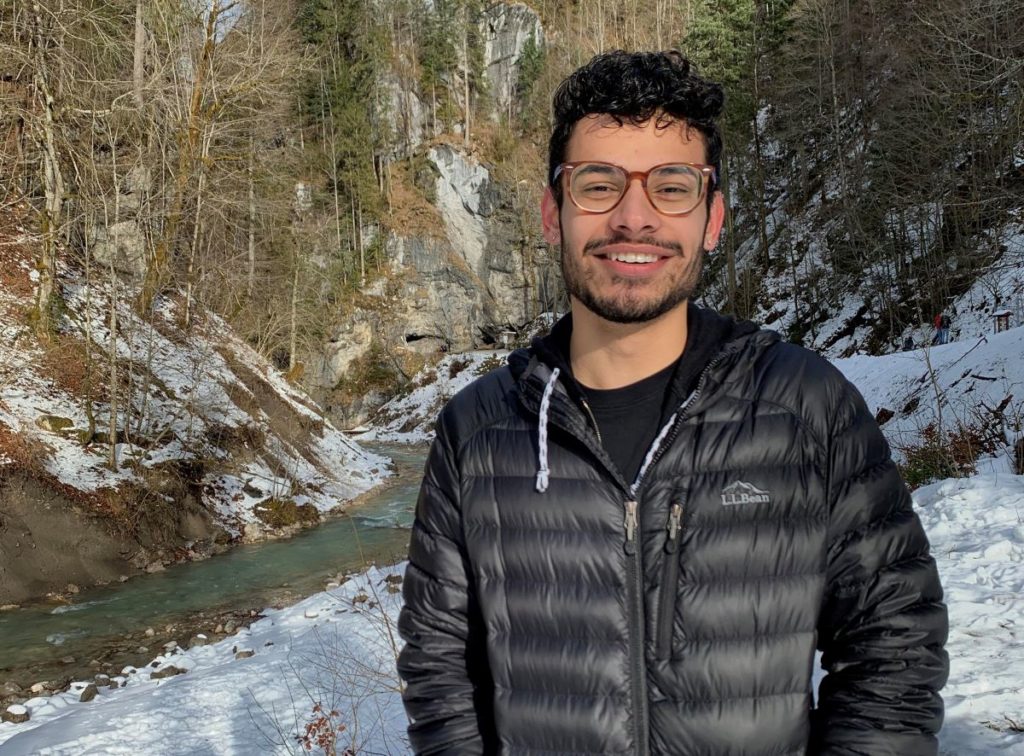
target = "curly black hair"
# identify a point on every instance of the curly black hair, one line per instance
(633, 88)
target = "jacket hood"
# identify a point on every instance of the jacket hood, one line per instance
(708, 334)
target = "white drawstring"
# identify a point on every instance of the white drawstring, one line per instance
(542, 432)
(653, 450)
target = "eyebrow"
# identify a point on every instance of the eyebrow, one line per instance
(598, 168)
(675, 168)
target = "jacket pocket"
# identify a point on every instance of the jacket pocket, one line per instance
(669, 584)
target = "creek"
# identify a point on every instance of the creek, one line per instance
(35, 639)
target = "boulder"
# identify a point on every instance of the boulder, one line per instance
(169, 671)
(245, 653)
(15, 714)
(88, 693)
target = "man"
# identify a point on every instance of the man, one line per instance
(633, 538)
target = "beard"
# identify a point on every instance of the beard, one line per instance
(630, 301)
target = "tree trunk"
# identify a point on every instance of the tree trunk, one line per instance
(251, 177)
(53, 185)
(139, 58)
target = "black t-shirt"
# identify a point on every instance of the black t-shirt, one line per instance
(628, 418)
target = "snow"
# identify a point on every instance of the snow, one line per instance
(200, 392)
(966, 380)
(410, 419)
(337, 648)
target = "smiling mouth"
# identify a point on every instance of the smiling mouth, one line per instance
(632, 257)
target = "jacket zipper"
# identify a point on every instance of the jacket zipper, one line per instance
(635, 593)
(667, 603)
(635, 578)
(593, 420)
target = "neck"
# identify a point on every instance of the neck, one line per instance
(606, 355)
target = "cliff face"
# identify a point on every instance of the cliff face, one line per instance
(478, 273)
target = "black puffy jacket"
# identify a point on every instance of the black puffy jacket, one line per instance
(553, 608)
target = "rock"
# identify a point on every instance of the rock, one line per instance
(142, 650)
(252, 491)
(218, 630)
(72, 588)
(253, 613)
(68, 660)
(360, 598)
(15, 714)
(198, 640)
(230, 627)
(95, 663)
(462, 199)
(507, 28)
(331, 586)
(123, 578)
(150, 632)
(393, 579)
(55, 423)
(39, 688)
(394, 588)
(310, 614)
(102, 679)
(88, 693)
(155, 567)
(10, 688)
(169, 646)
(169, 671)
(245, 653)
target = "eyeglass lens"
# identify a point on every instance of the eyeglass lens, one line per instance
(673, 189)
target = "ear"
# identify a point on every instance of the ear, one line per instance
(549, 218)
(716, 218)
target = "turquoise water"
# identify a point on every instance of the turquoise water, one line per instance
(249, 576)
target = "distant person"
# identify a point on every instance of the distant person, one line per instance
(944, 323)
(633, 537)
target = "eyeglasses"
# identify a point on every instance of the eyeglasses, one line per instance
(672, 188)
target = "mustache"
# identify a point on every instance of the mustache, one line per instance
(593, 245)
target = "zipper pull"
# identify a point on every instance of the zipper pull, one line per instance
(673, 528)
(631, 523)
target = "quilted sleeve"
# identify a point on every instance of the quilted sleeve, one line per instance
(883, 624)
(447, 689)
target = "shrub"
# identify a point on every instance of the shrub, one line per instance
(953, 454)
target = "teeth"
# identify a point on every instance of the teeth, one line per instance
(630, 257)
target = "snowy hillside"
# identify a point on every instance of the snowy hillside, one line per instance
(977, 383)
(336, 649)
(409, 419)
(211, 442)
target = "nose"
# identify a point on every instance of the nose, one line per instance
(635, 215)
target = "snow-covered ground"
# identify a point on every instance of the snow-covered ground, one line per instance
(337, 649)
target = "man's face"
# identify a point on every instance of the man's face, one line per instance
(597, 249)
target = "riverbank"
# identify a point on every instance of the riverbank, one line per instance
(103, 630)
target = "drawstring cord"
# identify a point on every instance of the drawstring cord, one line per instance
(542, 432)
